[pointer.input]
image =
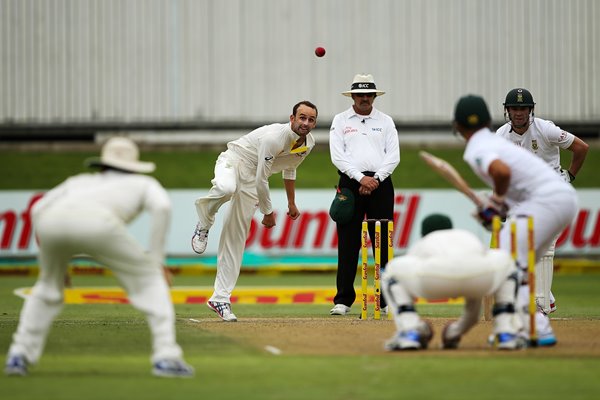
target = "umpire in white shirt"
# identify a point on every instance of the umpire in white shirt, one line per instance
(364, 148)
(88, 214)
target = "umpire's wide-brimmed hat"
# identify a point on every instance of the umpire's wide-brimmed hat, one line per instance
(121, 153)
(363, 83)
(472, 112)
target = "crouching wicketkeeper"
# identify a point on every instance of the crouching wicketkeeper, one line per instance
(450, 263)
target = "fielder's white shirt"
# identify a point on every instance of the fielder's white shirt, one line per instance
(123, 194)
(268, 149)
(531, 177)
(364, 143)
(543, 138)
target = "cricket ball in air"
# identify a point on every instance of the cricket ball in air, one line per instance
(320, 51)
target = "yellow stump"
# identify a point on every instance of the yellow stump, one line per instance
(390, 243)
(488, 301)
(364, 269)
(531, 277)
(377, 280)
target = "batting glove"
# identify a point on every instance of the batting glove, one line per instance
(567, 175)
(492, 206)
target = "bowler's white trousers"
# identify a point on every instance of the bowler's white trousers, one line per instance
(234, 181)
(71, 230)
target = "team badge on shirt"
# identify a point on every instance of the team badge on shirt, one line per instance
(534, 144)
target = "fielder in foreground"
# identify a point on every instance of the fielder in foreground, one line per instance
(87, 214)
(543, 138)
(523, 184)
(242, 175)
(446, 263)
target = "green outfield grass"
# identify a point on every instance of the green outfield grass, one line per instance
(101, 352)
(194, 169)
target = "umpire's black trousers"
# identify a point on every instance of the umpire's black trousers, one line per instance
(378, 205)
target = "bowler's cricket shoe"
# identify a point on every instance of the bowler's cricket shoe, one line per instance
(223, 310)
(16, 365)
(200, 239)
(172, 368)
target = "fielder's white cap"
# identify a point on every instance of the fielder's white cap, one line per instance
(363, 83)
(121, 153)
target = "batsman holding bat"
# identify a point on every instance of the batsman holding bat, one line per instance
(522, 184)
(544, 139)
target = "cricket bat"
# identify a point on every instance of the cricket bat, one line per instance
(450, 174)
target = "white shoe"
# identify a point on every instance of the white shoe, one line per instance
(172, 368)
(412, 339)
(200, 239)
(507, 341)
(450, 343)
(16, 365)
(223, 310)
(340, 309)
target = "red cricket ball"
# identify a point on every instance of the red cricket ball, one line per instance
(320, 51)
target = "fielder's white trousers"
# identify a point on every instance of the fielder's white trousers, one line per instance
(234, 181)
(70, 231)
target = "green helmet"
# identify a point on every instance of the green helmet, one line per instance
(519, 97)
(435, 222)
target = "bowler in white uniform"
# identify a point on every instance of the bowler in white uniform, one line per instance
(242, 177)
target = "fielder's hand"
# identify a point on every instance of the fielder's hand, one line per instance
(67, 280)
(492, 206)
(168, 275)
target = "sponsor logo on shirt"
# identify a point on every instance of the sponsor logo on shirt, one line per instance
(268, 158)
(534, 144)
(563, 136)
(377, 129)
(349, 129)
